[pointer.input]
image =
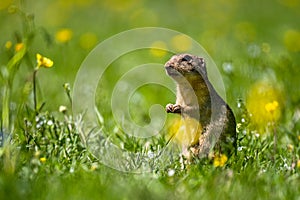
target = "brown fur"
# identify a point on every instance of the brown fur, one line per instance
(196, 98)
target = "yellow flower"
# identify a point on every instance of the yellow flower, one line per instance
(64, 35)
(220, 160)
(271, 106)
(264, 104)
(19, 46)
(8, 44)
(43, 61)
(298, 164)
(43, 159)
(299, 137)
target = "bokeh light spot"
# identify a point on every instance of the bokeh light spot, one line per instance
(88, 40)
(292, 40)
(264, 103)
(5, 3)
(181, 43)
(156, 49)
(63, 35)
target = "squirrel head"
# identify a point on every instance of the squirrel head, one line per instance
(185, 66)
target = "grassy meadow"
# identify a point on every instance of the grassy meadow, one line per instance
(45, 151)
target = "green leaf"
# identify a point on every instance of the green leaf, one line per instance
(17, 58)
(4, 73)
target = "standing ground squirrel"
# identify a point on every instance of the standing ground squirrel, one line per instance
(197, 100)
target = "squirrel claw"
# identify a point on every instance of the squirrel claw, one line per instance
(170, 108)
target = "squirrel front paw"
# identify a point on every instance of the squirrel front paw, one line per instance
(171, 108)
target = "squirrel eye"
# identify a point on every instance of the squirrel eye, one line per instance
(187, 58)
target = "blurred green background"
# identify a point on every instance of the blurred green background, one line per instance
(256, 46)
(235, 33)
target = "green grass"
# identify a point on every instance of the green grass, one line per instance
(44, 155)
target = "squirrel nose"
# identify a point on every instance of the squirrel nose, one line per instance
(168, 68)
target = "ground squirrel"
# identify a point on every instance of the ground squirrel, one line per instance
(197, 99)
